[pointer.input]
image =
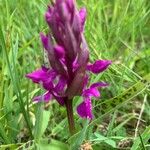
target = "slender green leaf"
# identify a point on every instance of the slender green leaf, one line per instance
(145, 137)
(3, 134)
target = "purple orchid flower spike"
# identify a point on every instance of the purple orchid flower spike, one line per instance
(68, 55)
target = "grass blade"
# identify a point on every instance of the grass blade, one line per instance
(15, 83)
(114, 103)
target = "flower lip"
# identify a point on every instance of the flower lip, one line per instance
(85, 109)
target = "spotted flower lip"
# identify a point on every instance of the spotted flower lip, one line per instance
(68, 55)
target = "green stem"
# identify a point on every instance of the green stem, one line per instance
(69, 108)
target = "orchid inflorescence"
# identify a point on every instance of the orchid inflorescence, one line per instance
(68, 55)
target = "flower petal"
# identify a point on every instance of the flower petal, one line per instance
(76, 25)
(38, 75)
(85, 109)
(45, 97)
(91, 92)
(99, 66)
(63, 11)
(99, 84)
(43, 76)
(48, 83)
(61, 85)
(70, 4)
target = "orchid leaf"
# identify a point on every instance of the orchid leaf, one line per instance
(42, 119)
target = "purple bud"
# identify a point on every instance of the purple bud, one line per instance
(59, 51)
(47, 42)
(82, 14)
(48, 17)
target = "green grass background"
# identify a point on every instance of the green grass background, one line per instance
(118, 30)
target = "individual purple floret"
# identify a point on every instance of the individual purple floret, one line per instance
(68, 56)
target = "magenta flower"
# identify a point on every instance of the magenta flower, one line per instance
(68, 56)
